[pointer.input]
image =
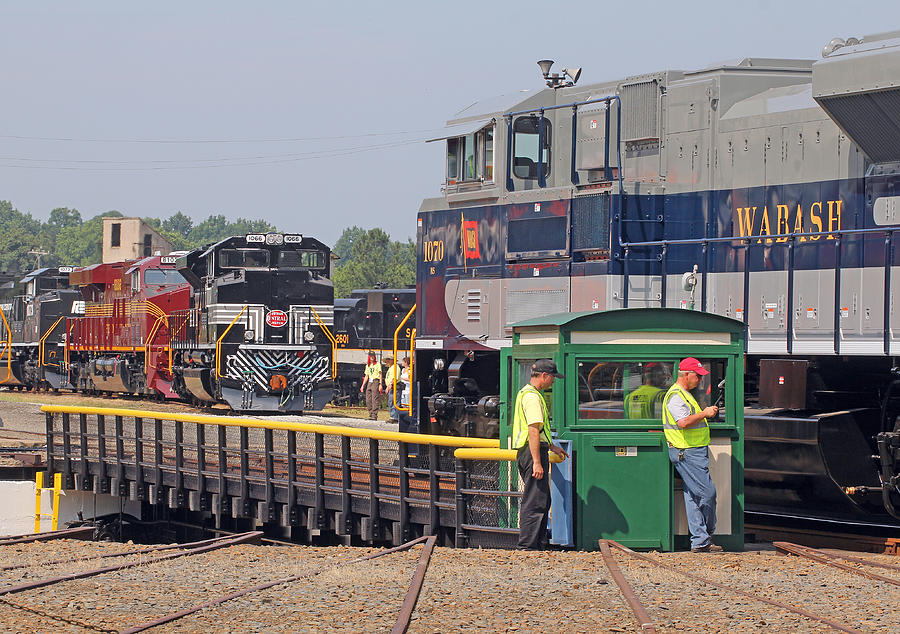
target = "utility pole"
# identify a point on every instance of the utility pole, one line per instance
(38, 252)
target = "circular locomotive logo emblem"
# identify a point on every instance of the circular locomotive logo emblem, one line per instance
(276, 318)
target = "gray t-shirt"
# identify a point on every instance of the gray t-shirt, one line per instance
(678, 408)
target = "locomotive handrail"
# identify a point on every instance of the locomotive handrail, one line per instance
(153, 332)
(7, 348)
(330, 338)
(328, 430)
(43, 339)
(397, 361)
(219, 341)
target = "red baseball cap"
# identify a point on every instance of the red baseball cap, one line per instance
(692, 365)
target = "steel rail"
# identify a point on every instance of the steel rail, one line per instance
(743, 593)
(412, 595)
(823, 558)
(124, 553)
(40, 583)
(640, 613)
(265, 586)
(85, 532)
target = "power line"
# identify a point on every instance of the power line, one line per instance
(211, 141)
(212, 163)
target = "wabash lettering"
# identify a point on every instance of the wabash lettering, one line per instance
(788, 219)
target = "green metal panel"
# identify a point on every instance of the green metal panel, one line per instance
(623, 490)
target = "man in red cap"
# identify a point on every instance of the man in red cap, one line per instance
(687, 434)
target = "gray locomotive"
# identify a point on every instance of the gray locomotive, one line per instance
(765, 190)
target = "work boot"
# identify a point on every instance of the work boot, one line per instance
(709, 548)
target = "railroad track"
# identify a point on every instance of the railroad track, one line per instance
(186, 550)
(646, 623)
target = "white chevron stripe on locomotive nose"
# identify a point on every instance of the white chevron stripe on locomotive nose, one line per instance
(260, 363)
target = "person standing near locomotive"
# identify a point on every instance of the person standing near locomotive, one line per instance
(687, 433)
(389, 378)
(371, 385)
(532, 440)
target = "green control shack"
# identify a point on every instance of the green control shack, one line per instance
(618, 365)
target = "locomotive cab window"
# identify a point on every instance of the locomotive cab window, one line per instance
(471, 157)
(244, 259)
(525, 147)
(301, 259)
(160, 277)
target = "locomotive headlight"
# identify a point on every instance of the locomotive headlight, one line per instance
(308, 336)
(274, 239)
(249, 335)
(439, 364)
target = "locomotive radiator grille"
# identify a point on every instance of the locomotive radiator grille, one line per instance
(257, 365)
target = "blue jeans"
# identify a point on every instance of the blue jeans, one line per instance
(391, 409)
(699, 492)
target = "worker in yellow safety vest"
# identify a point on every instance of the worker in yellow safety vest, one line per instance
(531, 438)
(646, 400)
(686, 427)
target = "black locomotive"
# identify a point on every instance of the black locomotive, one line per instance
(368, 320)
(257, 334)
(32, 325)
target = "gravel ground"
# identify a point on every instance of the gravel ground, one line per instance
(503, 591)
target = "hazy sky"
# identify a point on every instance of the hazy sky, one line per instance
(313, 115)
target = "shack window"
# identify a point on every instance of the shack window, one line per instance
(525, 147)
(244, 258)
(622, 389)
(148, 245)
(301, 259)
(471, 157)
(115, 238)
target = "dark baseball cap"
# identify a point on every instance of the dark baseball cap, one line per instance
(548, 366)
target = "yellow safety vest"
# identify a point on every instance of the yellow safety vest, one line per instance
(695, 436)
(389, 376)
(639, 403)
(520, 426)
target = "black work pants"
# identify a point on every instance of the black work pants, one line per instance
(535, 500)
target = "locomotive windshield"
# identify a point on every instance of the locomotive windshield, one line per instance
(244, 259)
(301, 259)
(158, 277)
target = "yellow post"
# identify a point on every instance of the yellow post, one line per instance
(57, 487)
(39, 486)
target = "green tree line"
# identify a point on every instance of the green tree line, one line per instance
(365, 257)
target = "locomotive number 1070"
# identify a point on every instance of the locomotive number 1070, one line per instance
(433, 251)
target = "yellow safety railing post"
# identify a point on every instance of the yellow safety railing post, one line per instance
(57, 488)
(397, 361)
(38, 488)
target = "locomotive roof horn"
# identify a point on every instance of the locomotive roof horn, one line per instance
(556, 80)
